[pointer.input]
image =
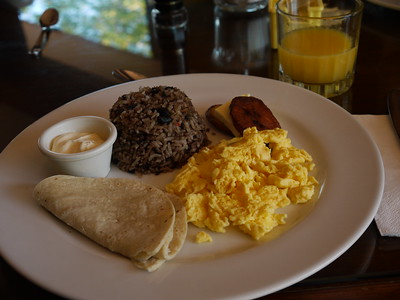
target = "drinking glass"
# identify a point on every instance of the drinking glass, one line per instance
(318, 43)
(241, 5)
(241, 41)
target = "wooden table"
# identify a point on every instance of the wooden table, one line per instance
(72, 66)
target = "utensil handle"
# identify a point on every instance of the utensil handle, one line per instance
(40, 43)
(393, 103)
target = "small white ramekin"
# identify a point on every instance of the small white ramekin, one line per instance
(91, 163)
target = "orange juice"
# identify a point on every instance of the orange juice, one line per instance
(317, 55)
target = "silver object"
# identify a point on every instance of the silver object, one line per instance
(47, 19)
(127, 75)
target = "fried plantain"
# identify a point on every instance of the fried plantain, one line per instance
(248, 111)
(217, 123)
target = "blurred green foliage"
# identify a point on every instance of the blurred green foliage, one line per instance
(120, 24)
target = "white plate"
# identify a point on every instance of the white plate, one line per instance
(393, 4)
(233, 266)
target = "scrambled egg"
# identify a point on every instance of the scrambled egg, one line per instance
(202, 237)
(241, 182)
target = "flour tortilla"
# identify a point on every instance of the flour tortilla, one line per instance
(169, 251)
(123, 215)
(150, 265)
(180, 227)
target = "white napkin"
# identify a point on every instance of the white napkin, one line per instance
(382, 131)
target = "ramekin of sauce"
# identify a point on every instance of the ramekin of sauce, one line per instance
(80, 146)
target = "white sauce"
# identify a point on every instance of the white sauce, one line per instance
(75, 142)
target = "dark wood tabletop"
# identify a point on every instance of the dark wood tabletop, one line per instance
(72, 66)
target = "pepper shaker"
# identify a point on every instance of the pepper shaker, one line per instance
(170, 19)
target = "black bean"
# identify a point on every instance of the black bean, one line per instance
(164, 116)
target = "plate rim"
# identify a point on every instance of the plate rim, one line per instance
(386, 4)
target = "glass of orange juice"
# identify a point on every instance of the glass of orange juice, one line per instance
(318, 42)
